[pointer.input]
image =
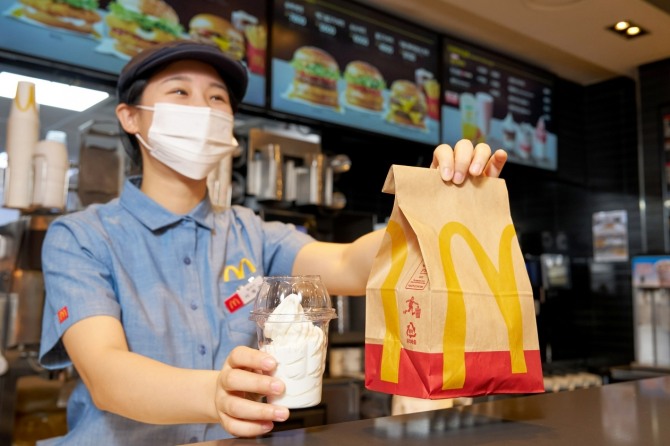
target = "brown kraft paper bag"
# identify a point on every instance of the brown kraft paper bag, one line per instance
(449, 307)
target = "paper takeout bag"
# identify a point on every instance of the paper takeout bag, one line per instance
(449, 308)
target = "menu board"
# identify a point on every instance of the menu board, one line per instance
(492, 99)
(342, 63)
(103, 35)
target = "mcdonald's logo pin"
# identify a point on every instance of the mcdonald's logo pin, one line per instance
(238, 270)
(62, 315)
(234, 303)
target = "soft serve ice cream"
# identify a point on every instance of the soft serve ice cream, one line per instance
(298, 343)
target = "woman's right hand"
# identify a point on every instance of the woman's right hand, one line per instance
(242, 381)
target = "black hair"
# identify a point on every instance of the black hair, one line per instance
(132, 96)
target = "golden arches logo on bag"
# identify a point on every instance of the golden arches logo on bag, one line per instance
(501, 281)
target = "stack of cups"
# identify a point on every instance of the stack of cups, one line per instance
(292, 315)
(23, 128)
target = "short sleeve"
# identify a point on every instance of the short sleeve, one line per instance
(77, 281)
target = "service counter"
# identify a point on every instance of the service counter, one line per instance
(628, 413)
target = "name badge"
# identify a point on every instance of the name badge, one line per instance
(244, 294)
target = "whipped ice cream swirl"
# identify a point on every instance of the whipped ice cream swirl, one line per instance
(299, 346)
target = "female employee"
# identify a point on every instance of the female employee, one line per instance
(137, 288)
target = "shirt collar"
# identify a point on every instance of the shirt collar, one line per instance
(154, 216)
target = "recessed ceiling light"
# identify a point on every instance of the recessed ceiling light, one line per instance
(633, 30)
(622, 26)
(54, 94)
(627, 29)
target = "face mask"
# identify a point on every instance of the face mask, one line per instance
(190, 140)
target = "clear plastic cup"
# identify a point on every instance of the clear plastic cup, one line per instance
(292, 315)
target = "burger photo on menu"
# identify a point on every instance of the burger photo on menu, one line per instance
(80, 16)
(215, 30)
(407, 105)
(315, 78)
(365, 85)
(135, 25)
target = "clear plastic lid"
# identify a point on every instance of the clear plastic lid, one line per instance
(314, 298)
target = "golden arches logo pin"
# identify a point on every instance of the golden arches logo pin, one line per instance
(239, 270)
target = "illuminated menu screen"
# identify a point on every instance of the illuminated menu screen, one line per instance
(345, 64)
(488, 98)
(104, 35)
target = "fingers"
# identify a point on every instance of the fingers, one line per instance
(245, 418)
(443, 158)
(465, 159)
(237, 374)
(482, 154)
(463, 156)
(241, 377)
(240, 380)
(251, 359)
(496, 163)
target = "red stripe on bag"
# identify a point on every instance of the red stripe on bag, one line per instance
(486, 373)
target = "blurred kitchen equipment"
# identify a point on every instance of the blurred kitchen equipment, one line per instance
(310, 187)
(220, 180)
(21, 300)
(10, 240)
(219, 183)
(265, 174)
(101, 162)
(342, 308)
(23, 129)
(50, 165)
(340, 163)
(335, 165)
(4, 319)
(292, 168)
(26, 294)
(346, 361)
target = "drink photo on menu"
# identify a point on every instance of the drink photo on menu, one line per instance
(504, 103)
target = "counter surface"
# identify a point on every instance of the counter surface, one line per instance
(629, 413)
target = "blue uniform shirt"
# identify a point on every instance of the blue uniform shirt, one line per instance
(168, 278)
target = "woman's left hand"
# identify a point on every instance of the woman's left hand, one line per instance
(242, 380)
(465, 159)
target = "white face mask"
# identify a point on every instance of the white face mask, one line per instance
(190, 140)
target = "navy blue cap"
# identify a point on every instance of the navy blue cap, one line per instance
(151, 60)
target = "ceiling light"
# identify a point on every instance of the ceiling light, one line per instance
(633, 30)
(627, 29)
(53, 94)
(622, 26)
